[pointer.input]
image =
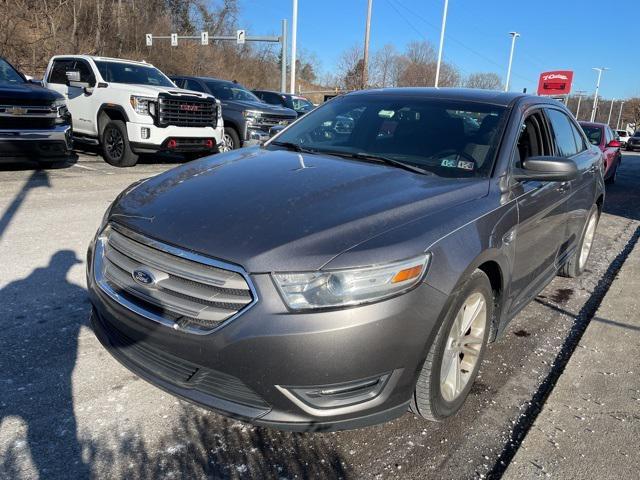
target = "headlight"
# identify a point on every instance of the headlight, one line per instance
(60, 106)
(143, 105)
(339, 288)
(251, 115)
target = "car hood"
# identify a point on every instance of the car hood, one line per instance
(26, 94)
(260, 106)
(280, 210)
(154, 90)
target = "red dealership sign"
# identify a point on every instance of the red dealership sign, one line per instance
(555, 83)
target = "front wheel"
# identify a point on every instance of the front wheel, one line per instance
(454, 358)
(116, 149)
(577, 263)
(230, 140)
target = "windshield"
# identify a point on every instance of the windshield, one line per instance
(445, 137)
(231, 91)
(594, 134)
(132, 74)
(301, 104)
(622, 133)
(8, 74)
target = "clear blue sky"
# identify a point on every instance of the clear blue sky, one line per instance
(573, 35)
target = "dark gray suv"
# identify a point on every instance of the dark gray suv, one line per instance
(353, 267)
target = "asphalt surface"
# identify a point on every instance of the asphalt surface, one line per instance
(69, 410)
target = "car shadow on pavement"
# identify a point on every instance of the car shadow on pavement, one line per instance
(206, 445)
(41, 316)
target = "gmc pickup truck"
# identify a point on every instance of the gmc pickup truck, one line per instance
(129, 108)
(34, 122)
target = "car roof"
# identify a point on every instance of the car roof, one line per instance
(592, 124)
(105, 59)
(493, 97)
(207, 79)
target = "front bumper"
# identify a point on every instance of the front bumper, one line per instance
(149, 138)
(52, 143)
(261, 366)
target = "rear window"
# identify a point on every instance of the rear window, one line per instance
(594, 134)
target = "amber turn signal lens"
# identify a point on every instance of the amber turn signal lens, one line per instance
(407, 274)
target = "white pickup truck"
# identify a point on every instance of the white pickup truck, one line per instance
(130, 107)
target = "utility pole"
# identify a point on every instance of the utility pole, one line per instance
(595, 96)
(294, 35)
(365, 62)
(441, 48)
(610, 111)
(514, 35)
(283, 60)
(580, 94)
(619, 115)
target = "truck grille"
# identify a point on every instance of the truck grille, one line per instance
(27, 117)
(176, 288)
(183, 111)
(267, 120)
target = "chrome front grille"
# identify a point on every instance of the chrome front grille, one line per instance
(184, 111)
(179, 289)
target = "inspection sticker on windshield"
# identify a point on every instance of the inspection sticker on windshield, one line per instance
(447, 162)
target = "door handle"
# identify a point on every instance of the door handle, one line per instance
(564, 186)
(593, 169)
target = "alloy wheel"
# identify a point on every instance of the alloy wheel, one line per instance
(114, 143)
(227, 143)
(588, 241)
(463, 346)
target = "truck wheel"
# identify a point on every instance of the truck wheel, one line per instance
(578, 261)
(115, 145)
(230, 140)
(454, 358)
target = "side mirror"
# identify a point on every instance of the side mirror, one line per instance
(33, 81)
(547, 169)
(614, 144)
(276, 129)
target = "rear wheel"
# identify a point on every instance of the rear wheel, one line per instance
(454, 358)
(116, 149)
(577, 263)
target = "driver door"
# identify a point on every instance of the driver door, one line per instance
(542, 215)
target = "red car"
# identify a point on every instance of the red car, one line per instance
(602, 136)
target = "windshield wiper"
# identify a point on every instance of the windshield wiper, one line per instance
(380, 158)
(293, 146)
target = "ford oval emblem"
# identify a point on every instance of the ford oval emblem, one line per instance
(143, 277)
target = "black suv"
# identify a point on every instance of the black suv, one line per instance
(297, 103)
(34, 121)
(247, 119)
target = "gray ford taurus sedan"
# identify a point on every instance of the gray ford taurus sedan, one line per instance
(353, 267)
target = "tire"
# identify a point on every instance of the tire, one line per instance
(116, 149)
(629, 149)
(612, 178)
(434, 399)
(230, 140)
(576, 265)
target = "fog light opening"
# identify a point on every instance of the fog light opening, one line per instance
(172, 144)
(145, 133)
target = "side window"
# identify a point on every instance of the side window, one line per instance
(562, 133)
(533, 141)
(581, 143)
(59, 70)
(193, 85)
(86, 74)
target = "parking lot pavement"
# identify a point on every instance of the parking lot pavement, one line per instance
(69, 410)
(590, 424)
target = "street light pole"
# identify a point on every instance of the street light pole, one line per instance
(283, 60)
(610, 111)
(441, 48)
(514, 35)
(294, 35)
(580, 93)
(365, 62)
(595, 96)
(619, 115)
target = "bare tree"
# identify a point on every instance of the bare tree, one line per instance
(487, 81)
(383, 66)
(350, 67)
